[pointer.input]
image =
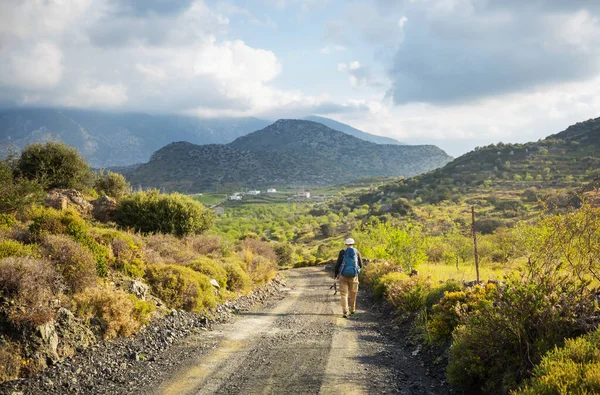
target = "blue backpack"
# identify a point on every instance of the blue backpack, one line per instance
(350, 266)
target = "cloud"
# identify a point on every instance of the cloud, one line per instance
(359, 76)
(509, 118)
(462, 50)
(36, 68)
(155, 57)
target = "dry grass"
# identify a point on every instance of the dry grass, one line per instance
(10, 362)
(76, 263)
(209, 245)
(465, 272)
(114, 310)
(31, 284)
(168, 249)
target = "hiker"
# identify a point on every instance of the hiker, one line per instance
(347, 268)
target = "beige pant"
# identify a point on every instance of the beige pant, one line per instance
(348, 285)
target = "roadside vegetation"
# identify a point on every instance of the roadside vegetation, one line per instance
(111, 277)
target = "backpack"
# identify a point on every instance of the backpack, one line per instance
(350, 266)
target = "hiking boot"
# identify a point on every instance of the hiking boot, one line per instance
(345, 315)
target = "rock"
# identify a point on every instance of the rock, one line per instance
(49, 342)
(138, 288)
(215, 283)
(61, 199)
(104, 209)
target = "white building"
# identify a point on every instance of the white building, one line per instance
(305, 195)
(271, 190)
(253, 192)
(234, 197)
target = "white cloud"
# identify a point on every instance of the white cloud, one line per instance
(130, 59)
(358, 75)
(36, 68)
(96, 96)
(508, 118)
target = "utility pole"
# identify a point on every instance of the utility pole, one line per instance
(475, 242)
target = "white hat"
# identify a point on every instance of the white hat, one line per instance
(350, 241)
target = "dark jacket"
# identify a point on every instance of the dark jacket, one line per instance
(341, 259)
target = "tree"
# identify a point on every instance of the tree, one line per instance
(54, 165)
(112, 184)
(16, 192)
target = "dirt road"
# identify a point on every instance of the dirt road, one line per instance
(299, 345)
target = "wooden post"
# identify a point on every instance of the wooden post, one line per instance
(475, 242)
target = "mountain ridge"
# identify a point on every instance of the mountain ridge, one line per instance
(112, 139)
(287, 152)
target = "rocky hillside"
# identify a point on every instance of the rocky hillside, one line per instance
(286, 153)
(115, 139)
(342, 127)
(565, 159)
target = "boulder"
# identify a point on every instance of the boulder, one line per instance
(61, 199)
(138, 288)
(104, 209)
(215, 283)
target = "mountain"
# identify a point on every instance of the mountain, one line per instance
(286, 153)
(342, 127)
(563, 160)
(115, 139)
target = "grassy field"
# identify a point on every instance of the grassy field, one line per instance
(465, 272)
(208, 199)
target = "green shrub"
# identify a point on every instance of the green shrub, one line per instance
(7, 221)
(383, 283)
(210, 268)
(15, 248)
(112, 184)
(142, 309)
(54, 165)
(16, 193)
(572, 369)
(181, 287)
(113, 310)
(285, 254)
(152, 212)
(447, 313)
(501, 342)
(129, 258)
(76, 263)
(371, 274)
(437, 292)
(408, 294)
(47, 221)
(238, 280)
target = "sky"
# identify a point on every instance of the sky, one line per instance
(454, 73)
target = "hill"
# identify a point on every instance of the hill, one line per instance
(342, 127)
(120, 139)
(115, 139)
(286, 153)
(561, 161)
